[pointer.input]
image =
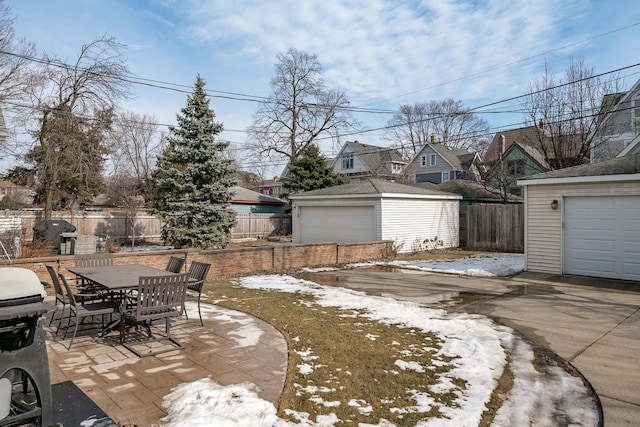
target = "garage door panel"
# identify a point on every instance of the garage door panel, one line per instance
(592, 245)
(602, 236)
(340, 224)
(590, 224)
(594, 266)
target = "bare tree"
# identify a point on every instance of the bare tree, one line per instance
(300, 110)
(127, 191)
(567, 110)
(137, 141)
(15, 55)
(453, 124)
(76, 103)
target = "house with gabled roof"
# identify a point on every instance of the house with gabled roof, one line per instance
(517, 161)
(618, 124)
(438, 163)
(359, 161)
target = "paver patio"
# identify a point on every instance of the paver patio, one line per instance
(130, 389)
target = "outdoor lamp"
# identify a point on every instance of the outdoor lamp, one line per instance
(554, 205)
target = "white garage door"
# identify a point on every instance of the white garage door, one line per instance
(602, 236)
(340, 224)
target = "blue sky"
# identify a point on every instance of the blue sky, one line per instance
(381, 53)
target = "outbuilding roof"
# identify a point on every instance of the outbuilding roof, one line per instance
(629, 164)
(373, 187)
(243, 195)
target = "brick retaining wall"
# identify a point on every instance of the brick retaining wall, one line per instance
(233, 261)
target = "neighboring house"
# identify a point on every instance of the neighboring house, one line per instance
(359, 161)
(372, 210)
(249, 201)
(516, 161)
(437, 163)
(4, 134)
(270, 187)
(585, 220)
(546, 149)
(618, 123)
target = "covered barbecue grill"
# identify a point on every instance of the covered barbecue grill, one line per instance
(25, 387)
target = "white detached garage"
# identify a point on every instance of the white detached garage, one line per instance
(371, 210)
(585, 220)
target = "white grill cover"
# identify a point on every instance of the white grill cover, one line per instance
(19, 283)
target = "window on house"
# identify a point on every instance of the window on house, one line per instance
(432, 160)
(516, 167)
(347, 161)
(423, 160)
(445, 176)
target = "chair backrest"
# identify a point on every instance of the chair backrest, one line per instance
(160, 296)
(198, 272)
(67, 288)
(175, 264)
(54, 278)
(94, 260)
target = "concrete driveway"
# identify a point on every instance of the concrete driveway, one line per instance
(592, 324)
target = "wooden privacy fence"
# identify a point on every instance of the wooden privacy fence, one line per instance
(495, 227)
(113, 223)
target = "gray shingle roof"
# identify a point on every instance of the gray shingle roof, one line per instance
(372, 187)
(245, 195)
(619, 166)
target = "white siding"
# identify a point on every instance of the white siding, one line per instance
(543, 225)
(415, 224)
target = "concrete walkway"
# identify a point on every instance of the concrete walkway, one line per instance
(593, 324)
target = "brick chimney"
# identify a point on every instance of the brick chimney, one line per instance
(541, 124)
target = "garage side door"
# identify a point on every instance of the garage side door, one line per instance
(602, 236)
(340, 224)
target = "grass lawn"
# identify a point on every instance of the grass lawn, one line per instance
(344, 363)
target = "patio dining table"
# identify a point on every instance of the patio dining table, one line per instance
(116, 280)
(117, 277)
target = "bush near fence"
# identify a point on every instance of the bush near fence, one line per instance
(233, 261)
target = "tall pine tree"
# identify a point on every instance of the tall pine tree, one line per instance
(310, 172)
(191, 187)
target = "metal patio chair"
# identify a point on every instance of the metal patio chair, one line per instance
(175, 264)
(198, 272)
(81, 310)
(157, 298)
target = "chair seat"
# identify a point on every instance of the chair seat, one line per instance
(97, 308)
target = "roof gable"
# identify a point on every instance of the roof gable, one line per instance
(457, 158)
(372, 156)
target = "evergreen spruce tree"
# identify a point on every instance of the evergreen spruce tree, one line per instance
(191, 187)
(310, 172)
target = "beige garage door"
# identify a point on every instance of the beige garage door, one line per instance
(602, 236)
(340, 224)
